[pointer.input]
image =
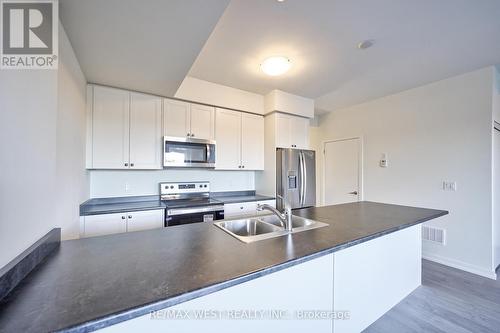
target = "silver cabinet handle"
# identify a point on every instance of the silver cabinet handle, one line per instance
(131, 164)
(353, 192)
(126, 164)
(188, 134)
(123, 217)
(130, 216)
(192, 135)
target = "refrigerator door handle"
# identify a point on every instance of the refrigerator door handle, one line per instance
(302, 178)
(304, 173)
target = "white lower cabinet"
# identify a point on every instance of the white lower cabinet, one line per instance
(150, 219)
(242, 209)
(107, 224)
(295, 299)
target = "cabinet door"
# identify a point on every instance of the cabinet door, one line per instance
(145, 131)
(299, 129)
(105, 224)
(252, 142)
(228, 134)
(145, 220)
(110, 128)
(235, 210)
(202, 122)
(283, 135)
(176, 118)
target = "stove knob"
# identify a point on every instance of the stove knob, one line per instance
(205, 185)
(201, 185)
(171, 187)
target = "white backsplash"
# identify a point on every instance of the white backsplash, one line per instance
(113, 183)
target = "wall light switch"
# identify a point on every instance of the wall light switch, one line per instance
(384, 163)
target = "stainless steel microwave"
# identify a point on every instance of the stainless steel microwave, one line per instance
(188, 153)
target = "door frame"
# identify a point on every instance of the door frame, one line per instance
(360, 165)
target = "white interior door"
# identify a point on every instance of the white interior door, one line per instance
(145, 131)
(341, 170)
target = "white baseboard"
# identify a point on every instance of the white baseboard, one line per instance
(461, 265)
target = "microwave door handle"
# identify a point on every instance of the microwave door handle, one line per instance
(208, 152)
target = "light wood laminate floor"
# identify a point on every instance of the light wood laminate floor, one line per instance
(449, 300)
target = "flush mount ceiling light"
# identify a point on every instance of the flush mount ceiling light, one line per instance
(275, 66)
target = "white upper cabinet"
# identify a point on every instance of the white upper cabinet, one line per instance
(252, 141)
(299, 129)
(292, 131)
(125, 130)
(110, 128)
(182, 119)
(227, 136)
(202, 122)
(177, 118)
(240, 140)
(145, 132)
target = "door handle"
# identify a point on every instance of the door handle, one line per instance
(353, 193)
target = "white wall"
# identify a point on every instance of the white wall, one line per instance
(42, 176)
(441, 131)
(72, 177)
(109, 183)
(215, 94)
(28, 115)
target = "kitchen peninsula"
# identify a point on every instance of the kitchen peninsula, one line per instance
(114, 282)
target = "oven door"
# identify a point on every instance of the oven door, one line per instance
(188, 152)
(179, 216)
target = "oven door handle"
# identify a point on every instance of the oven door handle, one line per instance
(194, 210)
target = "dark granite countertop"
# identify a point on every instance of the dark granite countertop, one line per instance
(95, 282)
(150, 202)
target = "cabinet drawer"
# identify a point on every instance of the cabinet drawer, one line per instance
(239, 209)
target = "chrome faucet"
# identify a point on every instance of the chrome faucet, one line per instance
(284, 217)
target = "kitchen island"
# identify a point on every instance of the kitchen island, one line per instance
(115, 282)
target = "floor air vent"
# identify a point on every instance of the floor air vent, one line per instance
(433, 234)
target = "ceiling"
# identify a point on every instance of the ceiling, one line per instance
(147, 46)
(152, 45)
(416, 42)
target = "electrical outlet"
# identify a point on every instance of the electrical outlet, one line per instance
(449, 186)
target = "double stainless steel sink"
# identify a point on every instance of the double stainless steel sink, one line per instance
(253, 229)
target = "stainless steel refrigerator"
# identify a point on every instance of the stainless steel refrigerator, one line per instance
(295, 177)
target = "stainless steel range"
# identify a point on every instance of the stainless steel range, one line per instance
(189, 203)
